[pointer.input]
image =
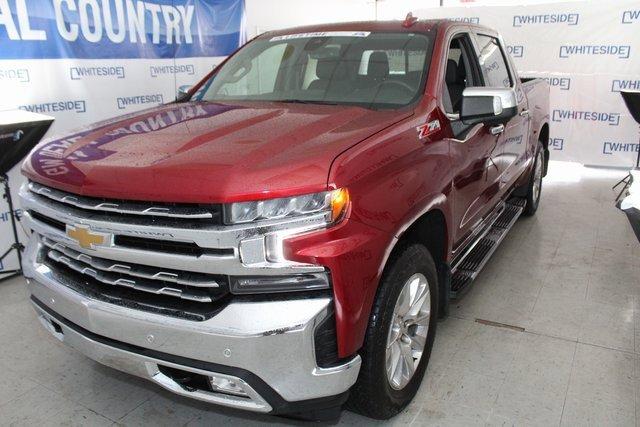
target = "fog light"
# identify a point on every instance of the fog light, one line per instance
(225, 385)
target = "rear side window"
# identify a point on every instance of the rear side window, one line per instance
(492, 62)
(401, 62)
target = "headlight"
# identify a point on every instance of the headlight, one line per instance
(332, 203)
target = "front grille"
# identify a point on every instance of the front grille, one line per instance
(189, 211)
(58, 225)
(190, 295)
(176, 260)
(147, 244)
(182, 248)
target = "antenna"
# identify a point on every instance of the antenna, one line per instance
(409, 20)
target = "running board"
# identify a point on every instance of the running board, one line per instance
(471, 263)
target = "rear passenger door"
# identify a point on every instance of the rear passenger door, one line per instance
(512, 141)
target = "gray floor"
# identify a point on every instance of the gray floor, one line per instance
(566, 280)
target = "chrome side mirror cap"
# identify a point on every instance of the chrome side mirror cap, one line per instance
(488, 105)
(183, 91)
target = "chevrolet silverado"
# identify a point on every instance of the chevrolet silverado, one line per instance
(283, 237)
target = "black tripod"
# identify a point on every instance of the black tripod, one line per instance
(16, 245)
(632, 101)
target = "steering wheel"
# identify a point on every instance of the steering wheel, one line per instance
(397, 83)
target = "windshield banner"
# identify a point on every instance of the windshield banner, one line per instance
(101, 29)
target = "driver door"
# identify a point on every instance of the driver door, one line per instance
(472, 148)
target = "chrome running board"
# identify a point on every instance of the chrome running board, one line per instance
(467, 267)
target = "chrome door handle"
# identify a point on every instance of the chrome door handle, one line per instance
(524, 113)
(496, 130)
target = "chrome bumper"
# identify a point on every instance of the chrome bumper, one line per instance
(267, 346)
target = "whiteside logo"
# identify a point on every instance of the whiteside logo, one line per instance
(465, 19)
(630, 16)
(547, 18)
(619, 51)
(56, 107)
(516, 51)
(609, 148)
(158, 70)
(20, 75)
(78, 73)
(127, 101)
(612, 119)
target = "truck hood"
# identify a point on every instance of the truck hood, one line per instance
(206, 152)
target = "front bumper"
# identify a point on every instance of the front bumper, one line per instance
(267, 347)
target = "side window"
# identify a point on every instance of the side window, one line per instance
(258, 75)
(459, 73)
(493, 63)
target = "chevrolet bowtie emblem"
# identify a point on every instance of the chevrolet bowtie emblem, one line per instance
(85, 237)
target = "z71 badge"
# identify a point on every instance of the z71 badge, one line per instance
(428, 128)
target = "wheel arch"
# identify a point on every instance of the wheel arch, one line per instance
(430, 229)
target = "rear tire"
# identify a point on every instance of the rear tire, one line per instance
(534, 188)
(392, 340)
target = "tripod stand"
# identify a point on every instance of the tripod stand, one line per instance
(16, 245)
(632, 101)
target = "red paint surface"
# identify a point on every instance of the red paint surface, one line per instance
(246, 151)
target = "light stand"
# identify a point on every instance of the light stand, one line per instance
(20, 131)
(16, 245)
(632, 101)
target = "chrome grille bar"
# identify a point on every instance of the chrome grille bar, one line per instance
(122, 207)
(114, 279)
(145, 272)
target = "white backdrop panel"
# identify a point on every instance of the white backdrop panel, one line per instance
(587, 49)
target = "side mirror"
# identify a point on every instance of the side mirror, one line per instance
(183, 91)
(488, 105)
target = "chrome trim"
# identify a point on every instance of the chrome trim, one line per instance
(507, 96)
(475, 236)
(174, 276)
(272, 339)
(496, 130)
(113, 279)
(148, 367)
(121, 207)
(472, 132)
(207, 237)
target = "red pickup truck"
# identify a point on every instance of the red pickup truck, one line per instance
(284, 237)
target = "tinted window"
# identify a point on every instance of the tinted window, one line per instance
(492, 62)
(257, 76)
(376, 70)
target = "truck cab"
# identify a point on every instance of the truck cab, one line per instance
(283, 237)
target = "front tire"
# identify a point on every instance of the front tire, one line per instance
(534, 188)
(400, 335)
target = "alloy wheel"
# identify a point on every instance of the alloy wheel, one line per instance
(408, 331)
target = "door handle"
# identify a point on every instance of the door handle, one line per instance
(524, 113)
(496, 130)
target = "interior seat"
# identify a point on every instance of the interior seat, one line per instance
(330, 76)
(378, 67)
(455, 80)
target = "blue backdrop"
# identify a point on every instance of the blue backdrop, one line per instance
(94, 29)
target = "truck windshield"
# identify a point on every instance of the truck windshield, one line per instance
(373, 70)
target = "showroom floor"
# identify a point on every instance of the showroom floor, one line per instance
(548, 335)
